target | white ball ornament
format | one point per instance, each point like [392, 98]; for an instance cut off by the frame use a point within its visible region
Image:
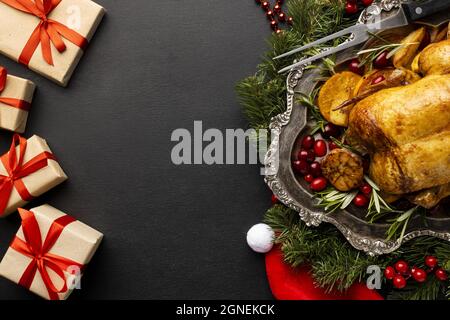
[260, 238]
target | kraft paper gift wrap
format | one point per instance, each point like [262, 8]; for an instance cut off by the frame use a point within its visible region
[77, 242]
[38, 182]
[16, 27]
[11, 118]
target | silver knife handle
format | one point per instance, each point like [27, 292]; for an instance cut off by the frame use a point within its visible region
[419, 9]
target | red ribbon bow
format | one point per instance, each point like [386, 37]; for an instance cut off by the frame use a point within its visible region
[33, 248]
[48, 31]
[17, 170]
[16, 103]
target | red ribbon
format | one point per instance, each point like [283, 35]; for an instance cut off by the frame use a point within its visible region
[47, 31]
[17, 170]
[33, 248]
[16, 103]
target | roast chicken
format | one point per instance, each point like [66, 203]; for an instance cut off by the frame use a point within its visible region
[406, 131]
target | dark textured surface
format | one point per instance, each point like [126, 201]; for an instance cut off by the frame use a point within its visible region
[170, 232]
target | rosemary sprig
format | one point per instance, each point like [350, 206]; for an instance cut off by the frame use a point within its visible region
[378, 207]
[314, 111]
[342, 145]
[400, 223]
[369, 55]
[331, 199]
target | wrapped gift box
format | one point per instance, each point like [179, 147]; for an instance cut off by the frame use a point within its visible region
[62, 244]
[16, 95]
[34, 173]
[70, 26]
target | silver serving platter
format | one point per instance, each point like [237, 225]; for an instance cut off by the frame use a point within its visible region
[289, 126]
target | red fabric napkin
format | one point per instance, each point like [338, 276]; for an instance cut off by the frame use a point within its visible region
[289, 283]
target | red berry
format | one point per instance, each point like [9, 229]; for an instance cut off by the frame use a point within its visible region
[309, 178]
[308, 142]
[351, 8]
[269, 14]
[441, 274]
[401, 266]
[277, 8]
[377, 80]
[366, 189]
[302, 155]
[320, 148]
[360, 200]
[381, 61]
[332, 145]
[331, 130]
[315, 169]
[278, 31]
[301, 167]
[419, 275]
[319, 184]
[265, 5]
[431, 261]
[290, 21]
[274, 199]
[281, 17]
[354, 67]
[389, 273]
[274, 25]
[399, 282]
[306, 155]
[366, 3]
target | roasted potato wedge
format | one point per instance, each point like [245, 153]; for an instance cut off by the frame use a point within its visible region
[343, 169]
[335, 91]
[405, 55]
[415, 64]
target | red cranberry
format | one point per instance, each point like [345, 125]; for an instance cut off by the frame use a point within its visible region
[366, 3]
[361, 200]
[377, 80]
[301, 167]
[389, 272]
[441, 274]
[399, 282]
[354, 67]
[401, 266]
[332, 145]
[331, 130]
[319, 184]
[274, 199]
[431, 261]
[320, 148]
[381, 61]
[315, 169]
[308, 142]
[419, 275]
[351, 8]
[366, 189]
[309, 178]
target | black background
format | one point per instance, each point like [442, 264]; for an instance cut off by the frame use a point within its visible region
[170, 231]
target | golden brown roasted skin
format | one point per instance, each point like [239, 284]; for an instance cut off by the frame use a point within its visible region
[435, 58]
[406, 130]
